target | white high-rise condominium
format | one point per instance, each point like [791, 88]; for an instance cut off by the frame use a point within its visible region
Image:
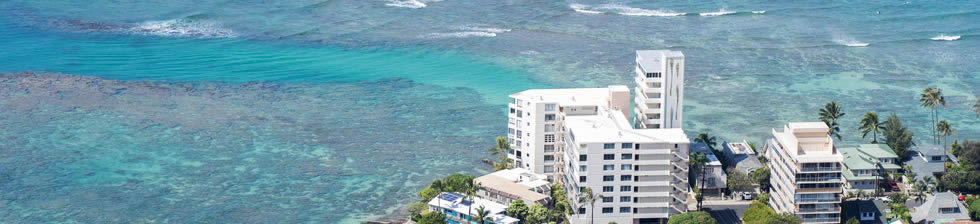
[535, 114]
[637, 175]
[660, 89]
[805, 172]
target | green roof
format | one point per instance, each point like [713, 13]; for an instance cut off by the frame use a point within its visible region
[850, 177]
[879, 151]
[855, 159]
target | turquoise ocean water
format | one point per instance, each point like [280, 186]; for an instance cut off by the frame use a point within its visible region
[338, 111]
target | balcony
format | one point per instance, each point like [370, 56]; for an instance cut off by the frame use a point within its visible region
[818, 179]
[818, 210]
[820, 169]
[818, 200]
[819, 190]
[833, 220]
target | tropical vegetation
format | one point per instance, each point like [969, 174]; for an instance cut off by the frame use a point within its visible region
[738, 181]
[759, 212]
[945, 129]
[829, 115]
[692, 218]
[698, 161]
[870, 124]
[761, 177]
[898, 209]
[933, 98]
[898, 136]
[965, 177]
[501, 150]
[452, 183]
[587, 197]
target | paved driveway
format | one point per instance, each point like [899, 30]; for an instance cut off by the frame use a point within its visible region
[727, 214]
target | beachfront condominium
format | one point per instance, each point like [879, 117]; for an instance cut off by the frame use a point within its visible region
[535, 115]
[660, 89]
[637, 175]
[805, 172]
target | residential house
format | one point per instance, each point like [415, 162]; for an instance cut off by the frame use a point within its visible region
[940, 208]
[715, 179]
[458, 209]
[865, 211]
[741, 156]
[864, 164]
[506, 186]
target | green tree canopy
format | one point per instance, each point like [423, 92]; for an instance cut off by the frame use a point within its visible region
[692, 218]
[738, 181]
[536, 214]
[758, 213]
[761, 177]
[853, 220]
[898, 136]
[517, 209]
[432, 218]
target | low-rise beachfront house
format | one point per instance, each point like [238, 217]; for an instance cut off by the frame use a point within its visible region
[940, 208]
[457, 210]
[715, 179]
[506, 186]
[863, 165]
[928, 160]
[741, 155]
[865, 211]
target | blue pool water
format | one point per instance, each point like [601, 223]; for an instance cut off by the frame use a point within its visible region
[338, 111]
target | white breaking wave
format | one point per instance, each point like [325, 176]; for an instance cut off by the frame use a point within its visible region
[944, 37]
[468, 31]
[415, 4]
[583, 9]
[718, 13]
[759, 12]
[851, 43]
[630, 11]
[182, 28]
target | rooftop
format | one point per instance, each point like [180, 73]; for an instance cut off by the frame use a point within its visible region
[454, 201]
[568, 96]
[740, 154]
[923, 168]
[856, 207]
[930, 210]
[863, 157]
[930, 149]
[607, 126]
[702, 147]
[650, 60]
[516, 183]
[807, 142]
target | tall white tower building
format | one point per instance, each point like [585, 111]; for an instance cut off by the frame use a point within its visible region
[660, 89]
[805, 172]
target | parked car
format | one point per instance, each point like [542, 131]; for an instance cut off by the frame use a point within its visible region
[962, 197]
[893, 185]
[746, 196]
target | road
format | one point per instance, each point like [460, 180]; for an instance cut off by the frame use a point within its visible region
[729, 213]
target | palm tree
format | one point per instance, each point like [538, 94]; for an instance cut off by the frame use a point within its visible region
[976, 106]
[932, 98]
[945, 129]
[698, 161]
[829, 114]
[586, 196]
[503, 147]
[481, 215]
[871, 124]
[470, 192]
[711, 141]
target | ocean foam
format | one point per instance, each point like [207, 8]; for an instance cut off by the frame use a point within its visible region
[759, 12]
[720, 12]
[944, 37]
[182, 28]
[630, 11]
[485, 29]
[583, 9]
[414, 4]
[464, 34]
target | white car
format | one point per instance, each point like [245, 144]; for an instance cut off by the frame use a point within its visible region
[746, 196]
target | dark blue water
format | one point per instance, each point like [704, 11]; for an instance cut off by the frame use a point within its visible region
[338, 111]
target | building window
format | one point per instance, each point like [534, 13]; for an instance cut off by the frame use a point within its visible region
[937, 158]
[607, 199]
[607, 189]
[653, 75]
[949, 210]
[549, 148]
[549, 169]
[626, 156]
[609, 146]
[627, 145]
[582, 168]
[549, 117]
[609, 157]
[549, 138]
[581, 210]
[608, 167]
[510, 131]
[624, 199]
[549, 127]
[520, 114]
[607, 210]
[549, 158]
[519, 134]
[624, 209]
[583, 158]
[581, 179]
[626, 167]
[625, 188]
[549, 107]
[625, 177]
[608, 178]
[512, 110]
[636, 146]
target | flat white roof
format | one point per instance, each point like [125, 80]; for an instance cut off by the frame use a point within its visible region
[650, 60]
[702, 147]
[457, 204]
[808, 142]
[567, 97]
[612, 126]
